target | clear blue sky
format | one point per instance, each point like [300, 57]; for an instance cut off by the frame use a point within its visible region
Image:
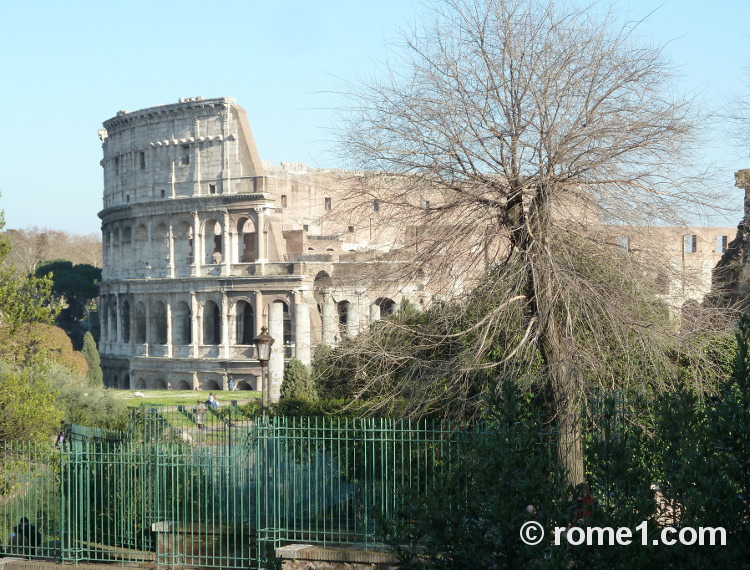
[68, 66]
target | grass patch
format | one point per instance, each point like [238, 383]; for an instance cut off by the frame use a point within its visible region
[183, 397]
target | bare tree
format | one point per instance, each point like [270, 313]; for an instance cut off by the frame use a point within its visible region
[32, 246]
[516, 135]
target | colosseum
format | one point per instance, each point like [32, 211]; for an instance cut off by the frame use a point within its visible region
[204, 244]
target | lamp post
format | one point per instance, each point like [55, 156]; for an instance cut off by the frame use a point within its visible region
[263, 344]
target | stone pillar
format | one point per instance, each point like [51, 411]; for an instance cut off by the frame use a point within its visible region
[276, 364]
[195, 329]
[197, 245]
[148, 254]
[302, 328]
[170, 252]
[170, 327]
[260, 236]
[226, 237]
[330, 321]
[104, 320]
[374, 313]
[258, 312]
[118, 313]
[224, 312]
[352, 318]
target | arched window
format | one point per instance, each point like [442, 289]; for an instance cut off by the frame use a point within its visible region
[160, 246]
[387, 306]
[159, 323]
[183, 245]
[140, 323]
[245, 323]
[183, 333]
[125, 321]
[213, 243]
[113, 319]
[211, 323]
[343, 310]
[246, 240]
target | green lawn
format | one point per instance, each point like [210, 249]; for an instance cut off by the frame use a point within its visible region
[183, 397]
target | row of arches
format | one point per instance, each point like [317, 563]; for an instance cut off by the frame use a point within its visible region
[160, 383]
[183, 242]
[147, 322]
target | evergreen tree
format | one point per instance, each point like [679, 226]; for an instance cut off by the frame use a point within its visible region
[94, 375]
[297, 382]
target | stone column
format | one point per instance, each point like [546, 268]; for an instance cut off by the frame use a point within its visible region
[170, 247]
[302, 328]
[258, 312]
[104, 319]
[224, 312]
[352, 318]
[329, 317]
[118, 313]
[276, 364]
[149, 253]
[195, 329]
[374, 313]
[197, 245]
[226, 238]
[170, 326]
[260, 237]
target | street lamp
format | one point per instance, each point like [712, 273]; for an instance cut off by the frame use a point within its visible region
[263, 344]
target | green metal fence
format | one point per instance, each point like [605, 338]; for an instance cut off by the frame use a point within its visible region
[166, 493]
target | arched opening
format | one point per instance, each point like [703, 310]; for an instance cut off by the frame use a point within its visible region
[127, 246]
[184, 385]
[140, 323]
[158, 384]
[387, 306]
[211, 385]
[160, 253]
[211, 323]
[113, 319]
[246, 240]
[125, 382]
[159, 323]
[183, 244]
[116, 247]
[343, 310]
[213, 242]
[140, 384]
[182, 324]
[321, 285]
[245, 323]
[141, 244]
[244, 385]
[125, 321]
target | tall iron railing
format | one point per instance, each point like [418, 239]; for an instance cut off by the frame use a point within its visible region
[168, 493]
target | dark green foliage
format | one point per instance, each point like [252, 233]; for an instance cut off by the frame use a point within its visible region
[297, 383]
[94, 374]
[471, 516]
[77, 285]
